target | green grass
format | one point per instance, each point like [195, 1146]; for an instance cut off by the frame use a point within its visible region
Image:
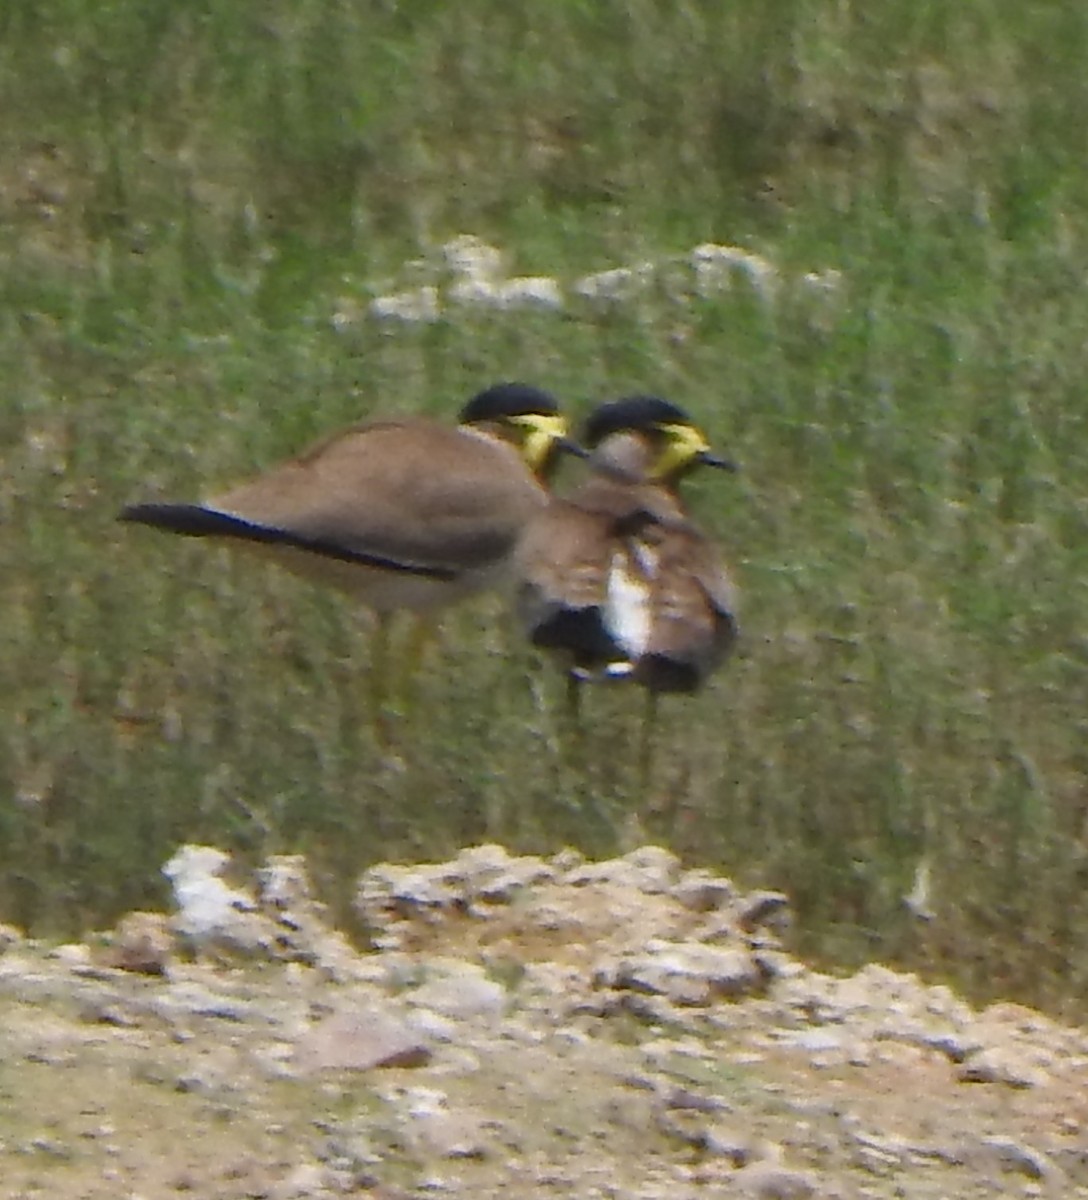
[188, 196]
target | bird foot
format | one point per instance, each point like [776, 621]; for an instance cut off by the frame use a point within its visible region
[621, 669]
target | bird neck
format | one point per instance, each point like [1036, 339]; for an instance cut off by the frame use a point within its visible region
[626, 457]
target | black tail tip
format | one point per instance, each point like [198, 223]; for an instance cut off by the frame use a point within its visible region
[190, 519]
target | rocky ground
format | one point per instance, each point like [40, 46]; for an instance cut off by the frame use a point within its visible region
[523, 1027]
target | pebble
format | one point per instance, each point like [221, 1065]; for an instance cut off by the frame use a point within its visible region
[1017, 1157]
[360, 1039]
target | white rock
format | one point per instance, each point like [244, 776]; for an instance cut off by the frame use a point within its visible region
[1005, 1065]
[617, 285]
[536, 292]
[472, 258]
[300, 921]
[702, 891]
[208, 909]
[687, 973]
[1014, 1156]
[418, 305]
[474, 292]
[657, 867]
[425, 1101]
[648, 869]
[715, 267]
[491, 874]
[284, 883]
[72, 954]
[762, 908]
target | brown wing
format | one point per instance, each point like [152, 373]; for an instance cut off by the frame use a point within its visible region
[564, 563]
[560, 564]
[692, 605]
[414, 493]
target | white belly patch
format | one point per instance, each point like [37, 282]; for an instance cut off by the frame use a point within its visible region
[628, 608]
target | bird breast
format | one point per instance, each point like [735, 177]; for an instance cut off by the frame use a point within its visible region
[629, 596]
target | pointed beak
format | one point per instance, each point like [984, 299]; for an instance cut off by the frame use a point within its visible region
[569, 446]
[712, 460]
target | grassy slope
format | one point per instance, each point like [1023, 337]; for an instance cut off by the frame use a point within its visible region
[186, 199]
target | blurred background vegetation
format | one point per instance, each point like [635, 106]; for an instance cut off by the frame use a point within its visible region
[193, 196]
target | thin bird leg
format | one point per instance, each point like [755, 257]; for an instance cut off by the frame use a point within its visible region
[571, 731]
[647, 742]
[574, 702]
[378, 680]
[574, 732]
[421, 635]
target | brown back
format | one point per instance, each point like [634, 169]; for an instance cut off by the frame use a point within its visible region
[410, 491]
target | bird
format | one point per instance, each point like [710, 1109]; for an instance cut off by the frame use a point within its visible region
[403, 514]
[616, 579]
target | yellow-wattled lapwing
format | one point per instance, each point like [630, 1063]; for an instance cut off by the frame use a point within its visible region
[615, 578]
[403, 513]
